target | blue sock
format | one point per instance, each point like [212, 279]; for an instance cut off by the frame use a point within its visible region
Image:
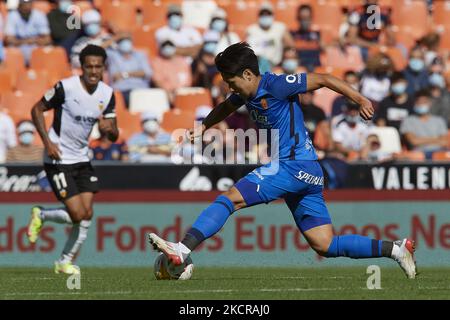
[354, 246]
[210, 221]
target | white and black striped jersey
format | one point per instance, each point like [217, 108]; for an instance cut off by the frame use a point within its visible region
[75, 113]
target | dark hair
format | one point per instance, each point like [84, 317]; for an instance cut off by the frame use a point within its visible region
[397, 76]
[92, 50]
[304, 7]
[236, 58]
[422, 93]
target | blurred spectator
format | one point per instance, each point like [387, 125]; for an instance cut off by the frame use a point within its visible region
[268, 37]
[171, 71]
[349, 132]
[7, 135]
[440, 96]
[105, 150]
[187, 40]
[58, 19]
[397, 106]
[372, 150]
[219, 23]
[27, 28]
[375, 82]
[430, 46]
[307, 41]
[25, 151]
[290, 63]
[364, 32]
[152, 144]
[93, 34]
[128, 69]
[352, 79]
[204, 68]
[422, 130]
[316, 122]
[416, 72]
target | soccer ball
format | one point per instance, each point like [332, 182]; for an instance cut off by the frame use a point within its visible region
[165, 270]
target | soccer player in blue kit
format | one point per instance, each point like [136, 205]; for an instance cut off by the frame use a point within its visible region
[297, 178]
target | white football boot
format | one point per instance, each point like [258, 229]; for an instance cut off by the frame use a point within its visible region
[170, 249]
[403, 253]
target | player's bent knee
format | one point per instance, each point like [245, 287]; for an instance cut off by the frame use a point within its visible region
[89, 214]
[235, 198]
[321, 247]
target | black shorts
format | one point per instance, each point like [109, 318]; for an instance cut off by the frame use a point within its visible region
[68, 180]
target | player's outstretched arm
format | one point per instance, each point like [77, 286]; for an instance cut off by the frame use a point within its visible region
[317, 80]
[37, 114]
[219, 113]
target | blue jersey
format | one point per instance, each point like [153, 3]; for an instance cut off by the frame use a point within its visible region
[276, 105]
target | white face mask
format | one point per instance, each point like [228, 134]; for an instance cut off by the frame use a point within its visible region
[265, 21]
[151, 126]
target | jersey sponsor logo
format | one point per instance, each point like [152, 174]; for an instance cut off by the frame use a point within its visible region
[90, 120]
[63, 193]
[256, 117]
[309, 178]
[291, 78]
[264, 103]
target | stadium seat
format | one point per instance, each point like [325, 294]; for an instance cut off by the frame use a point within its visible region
[405, 36]
[335, 58]
[35, 80]
[177, 119]
[120, 15]
[154, 14]
[50, 58]
[389, 139]
[18, 104]
[441, 13]
[324, 98]
[14, 60]
[412, 156]
[445, 38]
[441, 156]
[286, 12]
[412, 15]
[6, 81]
[127, 122]
[242, 12]
[144, 37]
[154, 100]
[191, 98]
[327, 15]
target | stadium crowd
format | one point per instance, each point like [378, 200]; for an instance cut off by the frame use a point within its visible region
[161, 65]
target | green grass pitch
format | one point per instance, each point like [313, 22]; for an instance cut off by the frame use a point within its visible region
[225, 283]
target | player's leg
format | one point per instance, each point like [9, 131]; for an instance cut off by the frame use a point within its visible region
[312, 218]
[208, 223]
[249, 191]
[64, 188]
[82, 203]
[81, 209]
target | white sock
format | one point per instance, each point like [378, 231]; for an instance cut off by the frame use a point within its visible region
[59, 215]
[75, 240]
[395, 251]
[185, 251]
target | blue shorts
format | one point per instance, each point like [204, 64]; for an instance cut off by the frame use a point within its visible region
[299, 183]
